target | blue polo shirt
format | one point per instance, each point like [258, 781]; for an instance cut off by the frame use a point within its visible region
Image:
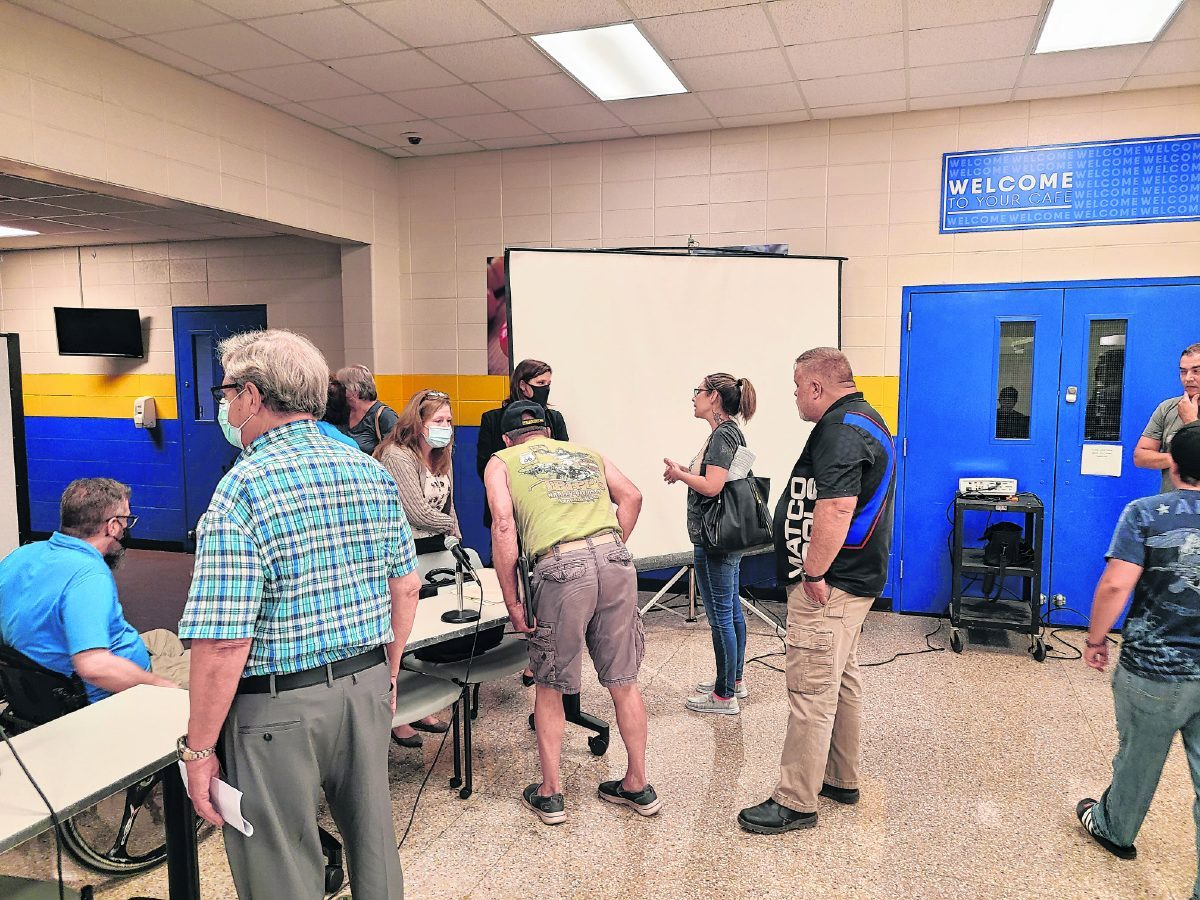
[58, 598]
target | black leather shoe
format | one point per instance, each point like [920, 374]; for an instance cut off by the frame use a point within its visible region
[435, 728]
[412, 742]
[771, 818]
[526, 680]
[848, 796]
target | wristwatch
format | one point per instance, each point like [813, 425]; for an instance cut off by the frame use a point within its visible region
[811, 578]
[187, 754]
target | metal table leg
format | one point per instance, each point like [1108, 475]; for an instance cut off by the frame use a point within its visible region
[183, 867]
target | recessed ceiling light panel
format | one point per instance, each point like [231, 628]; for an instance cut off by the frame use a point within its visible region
[1081, 24]
[5, 231]
[615, 62]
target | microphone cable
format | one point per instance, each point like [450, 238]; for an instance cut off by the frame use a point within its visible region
[53, 815]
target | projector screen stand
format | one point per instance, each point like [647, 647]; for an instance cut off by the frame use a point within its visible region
[655, 601]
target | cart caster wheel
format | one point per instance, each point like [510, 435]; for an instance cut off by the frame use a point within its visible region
[956, 641]
[598, 745]
[532, 727]
[455, 782]
[1039, 650]
[334, 878]
[465, 793]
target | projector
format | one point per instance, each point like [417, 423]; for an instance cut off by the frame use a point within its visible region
[987, 487]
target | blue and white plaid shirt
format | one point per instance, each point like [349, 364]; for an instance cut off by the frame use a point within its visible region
[295, 551]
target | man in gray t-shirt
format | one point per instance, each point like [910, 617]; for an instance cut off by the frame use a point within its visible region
[1153, 450]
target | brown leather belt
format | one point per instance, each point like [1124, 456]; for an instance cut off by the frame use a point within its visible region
[261, 684]
[601, 537]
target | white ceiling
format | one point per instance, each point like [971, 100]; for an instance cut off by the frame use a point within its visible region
[464, 75]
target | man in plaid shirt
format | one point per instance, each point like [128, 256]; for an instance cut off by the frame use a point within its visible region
[303, 596]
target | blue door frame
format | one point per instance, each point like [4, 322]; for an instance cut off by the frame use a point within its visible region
[1069, 349]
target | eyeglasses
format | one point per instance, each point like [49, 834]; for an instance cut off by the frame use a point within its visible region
[442, 394]
[219, 390]
[127, 521]
[696, 392]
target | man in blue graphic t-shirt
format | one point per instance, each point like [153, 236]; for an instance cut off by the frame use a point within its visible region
[1155, 554]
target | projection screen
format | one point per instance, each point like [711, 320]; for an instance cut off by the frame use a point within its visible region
[628, 334]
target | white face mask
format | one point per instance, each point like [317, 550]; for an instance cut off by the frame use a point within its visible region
[438, 436]
[233, 433]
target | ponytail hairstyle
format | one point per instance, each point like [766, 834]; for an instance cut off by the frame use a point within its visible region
[737, 394]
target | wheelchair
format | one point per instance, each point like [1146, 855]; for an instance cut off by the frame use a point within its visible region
[123, 834]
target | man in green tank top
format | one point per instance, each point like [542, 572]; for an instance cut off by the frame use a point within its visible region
[557, 497]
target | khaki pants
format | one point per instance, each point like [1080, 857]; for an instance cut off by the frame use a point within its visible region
[168, 659]
[824, 696]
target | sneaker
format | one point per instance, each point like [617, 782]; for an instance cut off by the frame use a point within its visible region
[549, 809]
[1085, 812]
[739, 689]
[644, 802]
[848, 796]
[711, 703]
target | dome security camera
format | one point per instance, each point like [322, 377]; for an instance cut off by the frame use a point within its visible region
[414, 139]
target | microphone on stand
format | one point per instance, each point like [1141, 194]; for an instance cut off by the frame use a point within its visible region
[460, 616]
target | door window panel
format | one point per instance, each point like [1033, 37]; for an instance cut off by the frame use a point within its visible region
[1014, 383]
[202, 376]
[1106, 380]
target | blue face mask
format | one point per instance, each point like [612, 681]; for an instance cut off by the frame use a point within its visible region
[232, 433]
[438, 436]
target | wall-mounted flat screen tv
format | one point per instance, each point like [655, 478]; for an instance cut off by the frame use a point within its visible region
[86, 331]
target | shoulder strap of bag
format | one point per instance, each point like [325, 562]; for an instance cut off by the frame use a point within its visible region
[378, 413]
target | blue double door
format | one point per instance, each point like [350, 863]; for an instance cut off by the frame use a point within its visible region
[1050, 385]
[207, 455]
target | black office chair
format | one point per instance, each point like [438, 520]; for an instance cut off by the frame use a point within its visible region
[37, 695]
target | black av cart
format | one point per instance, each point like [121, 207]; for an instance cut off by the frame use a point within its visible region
[1012, 602]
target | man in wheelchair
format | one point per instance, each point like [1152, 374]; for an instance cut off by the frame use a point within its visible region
[59, 605]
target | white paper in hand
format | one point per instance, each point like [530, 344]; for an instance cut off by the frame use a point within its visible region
[226, 799]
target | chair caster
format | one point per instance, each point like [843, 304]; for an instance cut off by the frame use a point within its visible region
[465, 793]
[532, 727]
[334, 878]
[455, 782]
[956, 640]
[598, 745]
[1038, 650]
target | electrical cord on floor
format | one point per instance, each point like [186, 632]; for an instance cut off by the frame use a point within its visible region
[1055, 634]
[466, 702]
[928, 648]
[53, 815]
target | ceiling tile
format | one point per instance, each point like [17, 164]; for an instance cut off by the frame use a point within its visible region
[1040, 91]
[492, 125]
[149, 47]
[140, 17]
[511, 143]
[850, 56]
[936, 13]
[540, 17]
[453, 100]
[1171, 56]
[1149, 82]
[1082, 65]
[695, 125]
[359, 136]
[731, 70]
[803, 21]
[74, 17]
[99, 203]
[872, 88]
[255, 9]
[245, 88]
[602, 134]
[854, 110]
[647, 110]
[367, 109]
[779, 118]
[966, 43]
[403, 71]
[307, 81]
[398, 132]
[711, 32]
[747, 101]
[21, 188]
[454, 21]
[230, 47]
[1186, 23]
[329, 34]
[440, 149]
[962, 78]
[484, 60]
[27, 208]
[585, 117]
[539, 92]
[308, 115]
[396, 152]
[648, 8]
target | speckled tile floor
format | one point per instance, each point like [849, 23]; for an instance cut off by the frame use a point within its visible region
[972, 766]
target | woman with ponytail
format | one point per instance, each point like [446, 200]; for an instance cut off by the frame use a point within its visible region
[720, 400]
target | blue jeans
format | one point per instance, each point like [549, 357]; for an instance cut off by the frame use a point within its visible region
[1148, 715]
[717, 576]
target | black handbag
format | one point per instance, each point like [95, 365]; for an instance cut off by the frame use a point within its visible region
[738, 519]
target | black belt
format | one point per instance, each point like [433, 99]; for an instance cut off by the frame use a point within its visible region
[261, 684]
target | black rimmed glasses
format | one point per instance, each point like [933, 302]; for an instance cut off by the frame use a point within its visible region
[218, 391]
[696, 392]
[127, 521]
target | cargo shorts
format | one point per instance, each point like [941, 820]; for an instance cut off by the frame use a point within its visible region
[586, 596]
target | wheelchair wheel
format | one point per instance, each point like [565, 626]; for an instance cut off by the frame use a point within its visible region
[123, 834]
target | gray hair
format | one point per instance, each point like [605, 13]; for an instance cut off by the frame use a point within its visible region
[358, 382]
[287, 368]
[829, 363]
[1191, 350]
[88, 503]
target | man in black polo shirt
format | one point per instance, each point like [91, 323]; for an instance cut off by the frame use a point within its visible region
[833, 531]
